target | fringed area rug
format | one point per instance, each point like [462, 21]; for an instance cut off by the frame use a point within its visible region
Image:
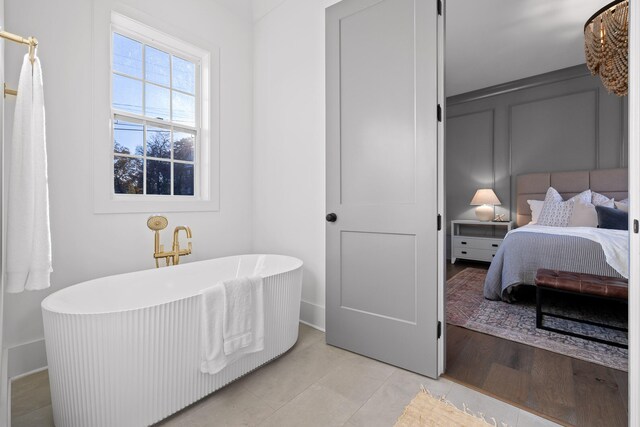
[466, 307]
[427, 410]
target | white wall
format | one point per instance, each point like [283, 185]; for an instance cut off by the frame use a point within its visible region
[88, 245]
[272, 189]
[289, 139]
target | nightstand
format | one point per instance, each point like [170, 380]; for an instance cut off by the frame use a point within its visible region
[479, 245]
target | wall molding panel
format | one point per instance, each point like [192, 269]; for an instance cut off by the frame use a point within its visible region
[564, 74]
[563, 120]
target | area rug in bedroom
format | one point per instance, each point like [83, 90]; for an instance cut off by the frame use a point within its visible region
[466, 307]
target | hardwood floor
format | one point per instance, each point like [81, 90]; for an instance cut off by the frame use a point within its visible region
[564, 389]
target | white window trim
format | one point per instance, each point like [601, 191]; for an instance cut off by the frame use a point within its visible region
[207, 185]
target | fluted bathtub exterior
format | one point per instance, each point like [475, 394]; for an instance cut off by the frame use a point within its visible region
[136, 366]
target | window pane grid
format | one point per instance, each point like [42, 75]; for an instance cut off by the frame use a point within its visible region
[152, 120]
[140, 79]
[144, 153]
[144, 104]
[133, 156]
[145, 158]
[191, 98]
[171, 112]
[171, 142]
[182, 126]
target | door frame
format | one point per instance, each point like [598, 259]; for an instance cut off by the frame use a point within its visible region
[442, 196]
[634, 214]
[634, 208]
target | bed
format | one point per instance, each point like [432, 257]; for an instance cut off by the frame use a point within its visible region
[576, 249]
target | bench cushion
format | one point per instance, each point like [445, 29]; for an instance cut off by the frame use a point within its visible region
[581, 283]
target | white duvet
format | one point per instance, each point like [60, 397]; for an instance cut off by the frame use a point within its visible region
[614, 243]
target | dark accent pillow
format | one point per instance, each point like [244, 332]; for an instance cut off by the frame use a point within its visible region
[612, 218]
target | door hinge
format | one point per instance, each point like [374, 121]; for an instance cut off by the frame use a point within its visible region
[636, 226]
[439, 7]
[439, 329]
[439, 113]
[439, 222]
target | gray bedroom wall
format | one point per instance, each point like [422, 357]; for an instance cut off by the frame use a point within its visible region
[563, 120]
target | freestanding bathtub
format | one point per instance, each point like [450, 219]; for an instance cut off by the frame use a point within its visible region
[125, 350]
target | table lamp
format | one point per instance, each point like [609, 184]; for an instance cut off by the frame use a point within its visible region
[485, 199]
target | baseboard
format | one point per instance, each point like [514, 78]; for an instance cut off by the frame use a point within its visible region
[312, 326]
[26, 374]
[26, 358]
[5, 391]
[312, 314]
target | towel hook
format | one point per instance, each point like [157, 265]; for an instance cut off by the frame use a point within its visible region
[33, 46]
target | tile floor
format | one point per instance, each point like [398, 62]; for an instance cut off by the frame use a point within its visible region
[312, 385]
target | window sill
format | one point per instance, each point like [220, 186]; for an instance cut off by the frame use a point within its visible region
[120, 205]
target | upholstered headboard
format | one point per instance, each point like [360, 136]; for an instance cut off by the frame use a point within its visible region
[610, 182]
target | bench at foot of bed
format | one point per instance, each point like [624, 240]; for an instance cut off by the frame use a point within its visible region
[550, 282]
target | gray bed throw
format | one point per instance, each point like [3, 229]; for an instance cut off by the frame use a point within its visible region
[521, 254]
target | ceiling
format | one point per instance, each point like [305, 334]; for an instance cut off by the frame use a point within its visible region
[242, 8]
[251, 10]
[489, 42]
[263, 7]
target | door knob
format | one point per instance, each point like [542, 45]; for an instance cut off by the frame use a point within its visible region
[332, 217]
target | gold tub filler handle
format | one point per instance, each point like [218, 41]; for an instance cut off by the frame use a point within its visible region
[158, 223]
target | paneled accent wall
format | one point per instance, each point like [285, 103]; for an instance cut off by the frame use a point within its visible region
[564, 120]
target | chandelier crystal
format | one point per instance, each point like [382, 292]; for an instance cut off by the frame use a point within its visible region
[606, 46]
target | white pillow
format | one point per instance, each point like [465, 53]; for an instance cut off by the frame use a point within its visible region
[555, 212]
[536, 207]
[585, 196]
[623, 205]
[584, 215]
[598, 199]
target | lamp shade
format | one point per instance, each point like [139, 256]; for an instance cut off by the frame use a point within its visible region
[485, 196]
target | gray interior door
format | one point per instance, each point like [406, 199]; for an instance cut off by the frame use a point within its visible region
[382, 181]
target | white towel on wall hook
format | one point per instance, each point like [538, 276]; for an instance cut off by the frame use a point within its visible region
[28, 232]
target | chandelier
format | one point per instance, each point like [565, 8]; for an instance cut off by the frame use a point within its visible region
[606, 46]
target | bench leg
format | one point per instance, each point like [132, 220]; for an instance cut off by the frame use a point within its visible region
[539, 319]
[538, 307]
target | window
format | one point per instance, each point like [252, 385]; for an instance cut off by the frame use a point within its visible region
[156, 116]
[155, 105]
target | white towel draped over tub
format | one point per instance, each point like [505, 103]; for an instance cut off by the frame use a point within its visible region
[28, 233]
[232, 322]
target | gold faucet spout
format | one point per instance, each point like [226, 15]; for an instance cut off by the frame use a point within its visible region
[177, 253]
[179, 228]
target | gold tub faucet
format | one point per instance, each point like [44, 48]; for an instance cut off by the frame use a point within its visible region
[177, 252]
[157, 223]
